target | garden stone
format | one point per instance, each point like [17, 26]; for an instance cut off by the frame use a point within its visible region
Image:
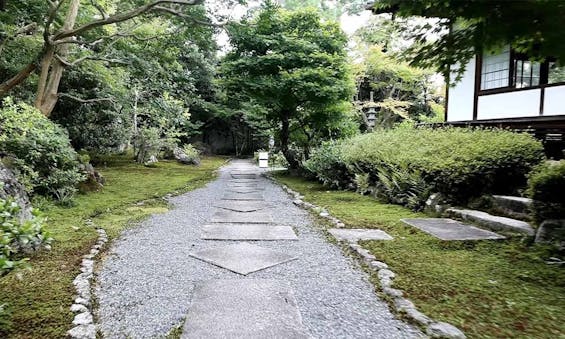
[298, 202]
[417, 316]
[551, 232]
[444, 330]
[324, 214]
[239, 217]
[386, 274]
[403, 304]
[493, 222]
[392, 292]
[78, 308]
[378, 265]
[247, 232]
[84, 318]
[241, 206]
[242, 258]
[354, 235]
[244, 309]
[449, 230]
[12, 188]
[181, 157]
[82, 301]
[243, 197]
[152, 160]
[83, 332]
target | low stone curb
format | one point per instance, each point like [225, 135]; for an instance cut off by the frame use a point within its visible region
[434, 329]
[84, 327]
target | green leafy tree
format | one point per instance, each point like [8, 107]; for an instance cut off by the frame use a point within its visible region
[533, 27]
[294, 65]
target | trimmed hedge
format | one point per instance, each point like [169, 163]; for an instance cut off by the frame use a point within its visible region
[406, 164]
[546, 187]
[327, 165]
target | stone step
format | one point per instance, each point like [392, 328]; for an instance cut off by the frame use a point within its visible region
[512, 205]
[492, 222]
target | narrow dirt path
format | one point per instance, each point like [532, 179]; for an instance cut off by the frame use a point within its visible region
[169, 269]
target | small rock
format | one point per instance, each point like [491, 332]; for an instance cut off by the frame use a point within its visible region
[354, 246]
[82, 301]
[366, 255]
[84, 318]
[386, 274]
[324, 214]
[340, 225]
[94, 251]
[78, 308]
[378, 265]
[444, 330]
[83, 332]
[298, 202]
[417, 316]
[402, 304]
[392, 292]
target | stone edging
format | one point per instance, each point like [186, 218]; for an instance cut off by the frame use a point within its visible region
[84, 327]
[434, 329]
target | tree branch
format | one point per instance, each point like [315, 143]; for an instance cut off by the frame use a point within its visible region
[85, 101]
[6, 86]
[116, 18]
[90, 57]
[99, 8]
[181, 15]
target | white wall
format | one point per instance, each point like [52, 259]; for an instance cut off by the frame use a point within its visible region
[554, 103]
[460, 101]
[517, 104]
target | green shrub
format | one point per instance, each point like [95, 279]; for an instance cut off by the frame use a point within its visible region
[327, 165]
[43, 157]
[405, 164]
[18, 238]
[546, 186]
[192, 152]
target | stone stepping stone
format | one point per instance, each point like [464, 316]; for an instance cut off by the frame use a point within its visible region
[247, 232]
[448, 229]
[240, 196]
[244, 176]
[354, 235]
[244, 190]
[244, 308]
[241, 205]
[243, 185]
[239, 217]
[244, 181]
[242, 258]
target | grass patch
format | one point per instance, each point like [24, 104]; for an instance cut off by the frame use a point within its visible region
[38, 300]
[489, 289]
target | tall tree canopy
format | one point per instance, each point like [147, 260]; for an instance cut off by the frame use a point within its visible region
[533, 27]
[46, 37]
[294, 64]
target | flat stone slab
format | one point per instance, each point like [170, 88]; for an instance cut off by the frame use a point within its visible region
[243, 181]
[244, 190]
[241, 205]
[448, 229]
[244, 185]
[244, 308]
[242, 258]
[354, 235]
[241, 217]
[247, 232]
[493, 222]
[242, 196]
[244, 176]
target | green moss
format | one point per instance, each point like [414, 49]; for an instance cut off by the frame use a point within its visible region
[39, 299]
[488, 289]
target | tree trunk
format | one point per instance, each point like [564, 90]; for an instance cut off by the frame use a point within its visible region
[285, 135]
[52, 69]
[17, 79]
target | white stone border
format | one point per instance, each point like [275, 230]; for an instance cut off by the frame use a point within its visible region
[434, 329]
[84, 327]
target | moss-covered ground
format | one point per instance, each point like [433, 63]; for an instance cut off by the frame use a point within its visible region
[37, 301]
[489, 289]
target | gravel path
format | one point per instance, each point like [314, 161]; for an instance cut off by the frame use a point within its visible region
[145, 285]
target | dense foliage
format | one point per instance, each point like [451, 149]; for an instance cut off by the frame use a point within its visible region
[546, 186]
[294, 65]
[327, 164]
[530, 26]
[18, 237]
[405, 165]
[40, 151]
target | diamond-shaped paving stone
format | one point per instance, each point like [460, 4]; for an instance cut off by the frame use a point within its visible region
[242, 258]
[241, 196]
[243, 181]
[239, 217]
[448, 229]
[241, 205]
[354, 235]
[244, 308]
[247, 232]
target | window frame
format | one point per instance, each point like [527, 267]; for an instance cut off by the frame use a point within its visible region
[511, 87]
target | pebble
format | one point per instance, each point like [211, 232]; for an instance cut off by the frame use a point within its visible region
[444, 330]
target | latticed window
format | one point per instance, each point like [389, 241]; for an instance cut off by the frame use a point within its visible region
[495, 70]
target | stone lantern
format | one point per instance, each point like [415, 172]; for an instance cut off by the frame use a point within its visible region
[370, 111]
